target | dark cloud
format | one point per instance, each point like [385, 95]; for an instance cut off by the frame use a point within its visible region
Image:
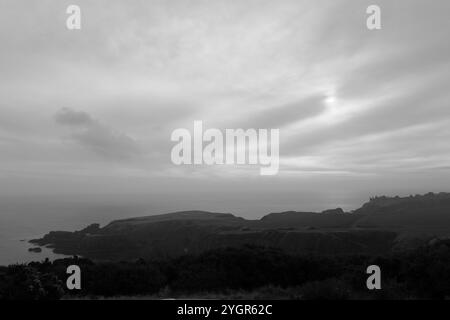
[96, 136]
[70, 117]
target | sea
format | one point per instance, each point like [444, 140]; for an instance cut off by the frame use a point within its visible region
[23, 219]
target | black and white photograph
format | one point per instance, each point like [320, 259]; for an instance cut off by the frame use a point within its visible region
[233, 152]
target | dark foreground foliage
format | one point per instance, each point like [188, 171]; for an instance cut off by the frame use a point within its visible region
[420, 274]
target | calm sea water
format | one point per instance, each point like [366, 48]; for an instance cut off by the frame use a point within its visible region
[25, 219]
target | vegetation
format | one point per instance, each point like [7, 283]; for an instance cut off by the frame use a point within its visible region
[246, 272]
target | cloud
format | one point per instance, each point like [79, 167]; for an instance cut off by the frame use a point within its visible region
[279, 116]
[70, 117]
[99, 138]
[346, 99]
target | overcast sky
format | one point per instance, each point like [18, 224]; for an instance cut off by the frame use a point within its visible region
[91, 111]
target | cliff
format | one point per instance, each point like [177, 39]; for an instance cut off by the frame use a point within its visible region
[379, 226]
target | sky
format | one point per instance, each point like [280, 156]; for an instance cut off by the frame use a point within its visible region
[360, 112]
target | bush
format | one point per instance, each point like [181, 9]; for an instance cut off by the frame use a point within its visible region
[21, 282]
